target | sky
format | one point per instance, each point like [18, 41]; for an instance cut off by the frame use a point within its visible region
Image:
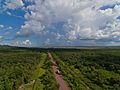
[39, 23]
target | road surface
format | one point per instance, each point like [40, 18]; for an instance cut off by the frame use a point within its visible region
[59, 78]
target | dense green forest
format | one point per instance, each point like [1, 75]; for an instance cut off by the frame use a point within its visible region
[83, 69]
[97, 69]
[24, 69]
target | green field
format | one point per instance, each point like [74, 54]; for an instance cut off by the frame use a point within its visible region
[82, 69]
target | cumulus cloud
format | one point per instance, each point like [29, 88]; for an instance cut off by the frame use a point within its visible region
[1, 37]
[82, 19]
[22, 43]
[27, 43]
[13, 4]
[1, 26]
[71, 19]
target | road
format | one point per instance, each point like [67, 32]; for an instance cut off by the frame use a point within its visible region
[59, 78]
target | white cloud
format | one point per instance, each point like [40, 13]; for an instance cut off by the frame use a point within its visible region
[108, 11]
[82, 19]
[22, 43]
[9, 13]
[1, 26]
[27, 43]
[47, 42]
[85, 17]
[10, 27]
[13, 4]
[1, 37]
[17, 43]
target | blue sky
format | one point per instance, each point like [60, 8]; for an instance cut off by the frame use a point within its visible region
[38, 23]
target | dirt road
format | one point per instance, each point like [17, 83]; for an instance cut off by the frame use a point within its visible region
[59, 78]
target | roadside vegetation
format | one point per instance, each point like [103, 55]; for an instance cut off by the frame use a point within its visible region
[24, 69]
[46, 80]
[90, 69]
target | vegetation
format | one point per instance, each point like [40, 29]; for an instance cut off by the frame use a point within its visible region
[46, 80]
[85, 69]
[25, 69]
[16, 68]
[90, 69]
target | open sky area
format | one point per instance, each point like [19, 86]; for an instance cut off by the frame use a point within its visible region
[36, 23]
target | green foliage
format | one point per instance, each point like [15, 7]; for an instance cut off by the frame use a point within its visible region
[90, 69]
[46, 81]
[16, 68]
[22, 69]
